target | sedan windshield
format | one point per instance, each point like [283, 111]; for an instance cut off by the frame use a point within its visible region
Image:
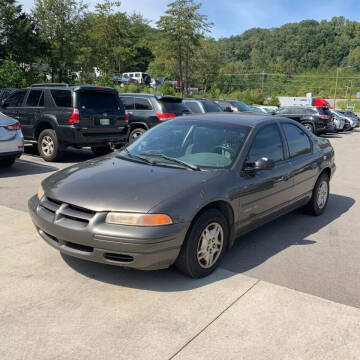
[191, 144]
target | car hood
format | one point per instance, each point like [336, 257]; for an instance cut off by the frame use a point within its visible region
[113, 184]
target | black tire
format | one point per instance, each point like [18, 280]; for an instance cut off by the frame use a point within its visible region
[49, 146]
[187, 261]
[310, 127]
[7, 161]
[313, 207]
[135, 133]
[101, 150]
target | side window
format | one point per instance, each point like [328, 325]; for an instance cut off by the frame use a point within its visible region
[142, 104]
[33, 98]
[299, 143]
[193, 106]
[128, 102]
[16, 99]
[310, 111]
[267, 143]
[41, 101]
[62, 98]
[283, 111]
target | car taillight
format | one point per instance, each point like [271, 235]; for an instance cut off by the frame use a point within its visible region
[324, 116]
[165, 116]
[13, 127]
[74, 117]
[126, 116]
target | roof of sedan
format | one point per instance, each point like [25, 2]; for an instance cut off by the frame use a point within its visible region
[250, 119]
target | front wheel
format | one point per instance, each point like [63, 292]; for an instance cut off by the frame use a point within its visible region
[204, 245]
[320, 196]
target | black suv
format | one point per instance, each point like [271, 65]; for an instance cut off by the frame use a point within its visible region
[61, 116]
[318, 120]
[146, 111]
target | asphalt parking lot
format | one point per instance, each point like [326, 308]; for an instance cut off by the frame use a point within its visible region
[288, 290]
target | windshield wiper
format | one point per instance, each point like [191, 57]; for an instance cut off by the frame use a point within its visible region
[137, 157]
[162, 156]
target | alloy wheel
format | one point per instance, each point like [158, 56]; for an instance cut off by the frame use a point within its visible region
[210, 245]
[47, 145]
[322, 194]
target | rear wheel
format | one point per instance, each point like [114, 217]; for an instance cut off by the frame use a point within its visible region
[204, 245]
[320, 196]
[49, 146]
[309, 126]
[101, 150]
[7, 161]
[135, 134]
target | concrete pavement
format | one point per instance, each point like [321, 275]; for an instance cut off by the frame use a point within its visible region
[57, 307]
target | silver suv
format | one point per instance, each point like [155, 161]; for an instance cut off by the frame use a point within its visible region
[11, 140]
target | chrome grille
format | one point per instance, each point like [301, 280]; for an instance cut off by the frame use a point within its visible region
[62, 210]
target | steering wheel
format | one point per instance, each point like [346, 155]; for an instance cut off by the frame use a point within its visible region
[223, 149]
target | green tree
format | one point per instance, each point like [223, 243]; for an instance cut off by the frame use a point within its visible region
[59, 23]
[11, 76]
[183, 26]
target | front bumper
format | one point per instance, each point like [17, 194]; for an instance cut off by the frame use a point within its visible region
[146, 248]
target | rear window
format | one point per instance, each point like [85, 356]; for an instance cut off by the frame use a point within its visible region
[142, 104]
[98, 101]
[62, 98]
[324, 111]
[174, 107]
[211, 107]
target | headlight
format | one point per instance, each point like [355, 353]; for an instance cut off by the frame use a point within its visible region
[119, 218]
[40, 193]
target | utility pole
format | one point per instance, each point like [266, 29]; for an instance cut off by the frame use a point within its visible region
[350, 90]
[262, 81]
[336, 81]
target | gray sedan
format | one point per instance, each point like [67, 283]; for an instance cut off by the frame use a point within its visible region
[11, 140]
[184, 191]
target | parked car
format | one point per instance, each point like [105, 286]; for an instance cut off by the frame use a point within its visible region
[267, 109]
[123, 80]
[57, 117]
[200, 106]
[5, 92]
[318, 120]
[140, 77]
[339, 121]
[146, 111]
[352, 118]
[184, 191]
[235, 105]
[11, 141]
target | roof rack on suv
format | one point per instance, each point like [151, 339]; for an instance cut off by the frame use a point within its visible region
[50, 85]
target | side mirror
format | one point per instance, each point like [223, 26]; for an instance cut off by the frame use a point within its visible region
[263, 163]
[228, 109]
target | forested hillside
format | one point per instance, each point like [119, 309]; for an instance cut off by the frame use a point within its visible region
[62, 38]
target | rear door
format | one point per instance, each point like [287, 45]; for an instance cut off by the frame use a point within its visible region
[100, 110]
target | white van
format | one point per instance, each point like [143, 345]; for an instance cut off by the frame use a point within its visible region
[140, 77]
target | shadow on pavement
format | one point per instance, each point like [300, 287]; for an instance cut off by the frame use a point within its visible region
[249, 251]
[25, 167]
[331, 136]
[71, 155]
[293, 229]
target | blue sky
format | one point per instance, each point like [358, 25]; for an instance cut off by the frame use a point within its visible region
[232, 17]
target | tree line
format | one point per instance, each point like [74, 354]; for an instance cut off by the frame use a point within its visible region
[66, 41]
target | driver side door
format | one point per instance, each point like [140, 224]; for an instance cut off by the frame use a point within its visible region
[265, 191]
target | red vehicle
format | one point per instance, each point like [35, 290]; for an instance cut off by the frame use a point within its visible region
[320, 102]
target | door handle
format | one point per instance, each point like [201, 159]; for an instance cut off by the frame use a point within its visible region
[282, 178]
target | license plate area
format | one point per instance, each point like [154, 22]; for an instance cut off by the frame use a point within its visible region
[104, 122]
